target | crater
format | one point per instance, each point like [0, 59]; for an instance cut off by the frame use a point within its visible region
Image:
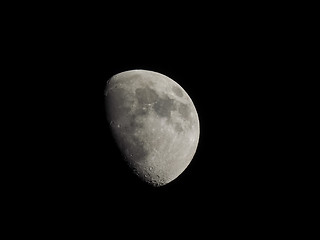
[164, 106]
[177, 91]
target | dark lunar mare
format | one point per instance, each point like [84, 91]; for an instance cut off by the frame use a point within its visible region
[164, 106]
[146, 95]
[184, 110]
[161, 105]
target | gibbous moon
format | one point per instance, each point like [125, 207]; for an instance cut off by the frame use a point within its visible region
[154, 123]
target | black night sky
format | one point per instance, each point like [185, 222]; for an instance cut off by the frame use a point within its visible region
[231, 67]
[235, 167]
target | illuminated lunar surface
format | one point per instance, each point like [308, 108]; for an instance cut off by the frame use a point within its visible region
[154, 123]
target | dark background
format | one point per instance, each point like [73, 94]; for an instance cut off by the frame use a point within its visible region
[232, 82]
[233, 65]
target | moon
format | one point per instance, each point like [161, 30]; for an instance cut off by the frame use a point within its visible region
[153, 122]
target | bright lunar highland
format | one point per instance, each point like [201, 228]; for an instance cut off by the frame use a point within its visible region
[154, 123]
